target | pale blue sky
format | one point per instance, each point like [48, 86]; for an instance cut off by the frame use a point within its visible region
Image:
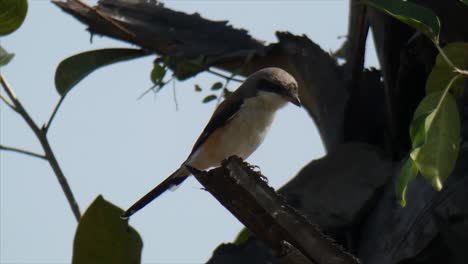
[109, 143]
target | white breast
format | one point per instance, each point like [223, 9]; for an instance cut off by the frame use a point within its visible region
[243, 134]
[252, 123]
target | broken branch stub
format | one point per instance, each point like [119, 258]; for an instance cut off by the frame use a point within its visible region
[243, 192]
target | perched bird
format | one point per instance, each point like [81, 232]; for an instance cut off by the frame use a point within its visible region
[238, 126]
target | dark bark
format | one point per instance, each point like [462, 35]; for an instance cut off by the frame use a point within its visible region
[247, 196]
[363, 123]
[355, 183]
[252, 251]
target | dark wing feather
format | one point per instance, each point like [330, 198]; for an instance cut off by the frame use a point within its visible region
[221, 116]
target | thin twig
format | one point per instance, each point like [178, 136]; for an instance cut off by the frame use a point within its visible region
[146, 91]
[463, 72]
[49, 154]
[449, 62]
[115, 24]
[22, 151]
[19, 107]
[223, 76]
[46, 126]
[175, 95]
[446, 58]
[7, 102]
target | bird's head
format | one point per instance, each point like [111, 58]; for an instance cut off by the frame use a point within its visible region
[275, 81]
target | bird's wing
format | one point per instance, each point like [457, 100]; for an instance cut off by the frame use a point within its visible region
[221, 116]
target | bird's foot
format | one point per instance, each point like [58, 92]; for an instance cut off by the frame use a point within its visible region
[257, 171]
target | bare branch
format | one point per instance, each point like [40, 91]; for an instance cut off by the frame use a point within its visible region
[228, 78]
[463, 72]
[243, 192]
[19, 107]
[7, 102]
[26, 152]
[146, 91]
[46, 126]
[49, 154]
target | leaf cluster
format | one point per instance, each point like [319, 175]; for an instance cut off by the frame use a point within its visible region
[101, 235]
[435, 128]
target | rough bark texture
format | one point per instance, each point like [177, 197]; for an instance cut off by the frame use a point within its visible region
[289, 234]
[363, 123]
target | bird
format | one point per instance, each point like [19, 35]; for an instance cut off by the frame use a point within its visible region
[237, 127]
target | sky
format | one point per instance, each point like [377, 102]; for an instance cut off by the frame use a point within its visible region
[108, 142]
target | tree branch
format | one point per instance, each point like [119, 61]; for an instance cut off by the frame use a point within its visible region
[47, 125]
[26, 152]
[7, 102]
[49, 154]
[113, 23]
[247, 196]
[229, 78]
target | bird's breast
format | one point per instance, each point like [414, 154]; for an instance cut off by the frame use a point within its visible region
[241, 136]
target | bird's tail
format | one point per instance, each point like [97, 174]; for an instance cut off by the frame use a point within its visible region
[174, 179]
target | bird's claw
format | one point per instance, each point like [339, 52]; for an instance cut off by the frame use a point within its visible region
[257, 171]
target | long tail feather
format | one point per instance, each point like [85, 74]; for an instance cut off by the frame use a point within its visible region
[176, 178]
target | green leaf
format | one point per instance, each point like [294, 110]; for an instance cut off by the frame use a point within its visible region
[158, 73]
[75, 68]
[417, 131]
[243, 236]
[414, 15]
[189, 68]
[5, 57]
[209, 98]
[427, 105]
[103, 237]
[226, 93]
[408, 172]
[216, 86]
[442, 73]
[198, 88]
[436, 158]
[12, 15]
[464, 1]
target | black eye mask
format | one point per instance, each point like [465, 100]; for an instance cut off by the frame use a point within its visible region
[267, 86]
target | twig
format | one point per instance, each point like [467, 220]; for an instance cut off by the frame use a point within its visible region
[223, 76]
[174, 94]
[463, 72]
[446, 58]
[46, 126]
[145, 92]
[7, 102]
[49, 154]
[152, 88]
[22, 151]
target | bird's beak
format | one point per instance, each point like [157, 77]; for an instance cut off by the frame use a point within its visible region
[295, 100]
